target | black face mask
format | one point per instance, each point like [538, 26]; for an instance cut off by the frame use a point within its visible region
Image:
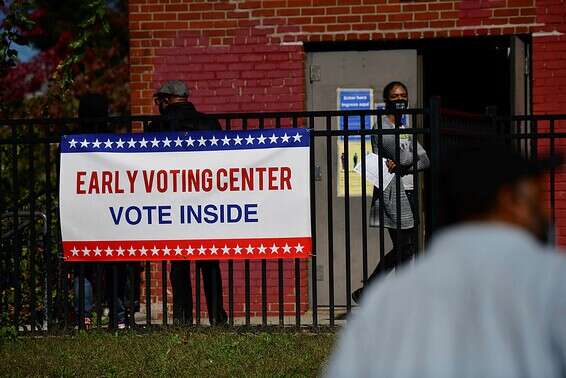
[392, 105]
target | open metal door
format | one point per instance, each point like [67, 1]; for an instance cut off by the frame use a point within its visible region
[329, 74]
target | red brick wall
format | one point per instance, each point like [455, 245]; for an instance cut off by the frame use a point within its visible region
[549, 87]
[247, 55]
[253, 48]
[239, 289]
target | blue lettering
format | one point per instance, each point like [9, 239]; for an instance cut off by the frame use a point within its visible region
[116, 217]
[149, 211]
[192, 214]
[231, 217]
[137, 212]
[209, 210]
[250, 209]
[223, 213]
[165, 215]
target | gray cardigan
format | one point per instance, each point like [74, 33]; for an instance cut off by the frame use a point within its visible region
[390, 193]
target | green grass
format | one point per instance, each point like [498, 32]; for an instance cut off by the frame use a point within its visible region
[173, 352]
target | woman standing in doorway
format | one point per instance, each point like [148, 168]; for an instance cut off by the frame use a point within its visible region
[396, 98]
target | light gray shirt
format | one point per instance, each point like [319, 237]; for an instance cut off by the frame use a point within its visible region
[387, 150]
[487, 301]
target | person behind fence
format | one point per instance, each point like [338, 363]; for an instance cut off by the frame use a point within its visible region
[395, 95]
[179, 115]
[91, 105]
[486, 300]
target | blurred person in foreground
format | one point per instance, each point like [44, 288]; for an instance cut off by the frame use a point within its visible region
[487, 300]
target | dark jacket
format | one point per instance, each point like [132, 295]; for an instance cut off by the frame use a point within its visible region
[184, 117]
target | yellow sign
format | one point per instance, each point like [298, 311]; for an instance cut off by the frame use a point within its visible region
[354, 157]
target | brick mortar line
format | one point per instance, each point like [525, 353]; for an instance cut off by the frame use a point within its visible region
[458, 28]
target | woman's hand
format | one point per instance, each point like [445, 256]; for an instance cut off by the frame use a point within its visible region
[391, 165]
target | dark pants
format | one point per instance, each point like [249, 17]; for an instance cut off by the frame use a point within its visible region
[183, 293]
[121, 280]
[404, 247]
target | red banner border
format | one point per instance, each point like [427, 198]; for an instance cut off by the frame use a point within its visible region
[193, 249]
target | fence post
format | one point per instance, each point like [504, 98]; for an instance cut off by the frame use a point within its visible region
[434, 117]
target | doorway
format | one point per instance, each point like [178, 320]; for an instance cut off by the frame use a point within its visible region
[469, 74]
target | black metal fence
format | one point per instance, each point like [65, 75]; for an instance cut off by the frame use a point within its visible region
[39, 291]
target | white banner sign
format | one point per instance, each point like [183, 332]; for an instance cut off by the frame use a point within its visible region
[186, 195]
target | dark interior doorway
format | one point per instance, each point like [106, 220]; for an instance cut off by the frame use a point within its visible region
[468, 74]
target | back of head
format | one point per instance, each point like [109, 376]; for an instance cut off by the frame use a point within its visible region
[471, 179]
[93, 105]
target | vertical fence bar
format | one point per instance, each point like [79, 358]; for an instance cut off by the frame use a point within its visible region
[65, 293]
[164, 291]
[314, 289]
[4, 257]
[416, 188]
[230, 267]
[281, 298]
[147, 266]
[63, 288]
[364, 202]
[381, 214]
[231, 291]
[552, 184]
[534, 144]
[4, 275]
[16, 228]
[263, 271]
[198, 273]
[98, 295]
[297, 272]
[247, 263]
[398, 186]
[347, 214]
[330, 228]
[132, 294]
[148, 293]
[114, 299]
[47, 239]
[81, 300]
[434, 117]
[32, 249]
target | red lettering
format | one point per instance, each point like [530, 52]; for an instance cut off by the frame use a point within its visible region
[260, 171]
[175, 173]
[106, 182]
[193, 180]
[220, 183]
[162, 181]
[132, 179]
[285, 178]
[80, 182]
[234, 180]
[93, 184]
[148, 181]
[117, 179]
[207, 180]
[272, 178]
[247, 179]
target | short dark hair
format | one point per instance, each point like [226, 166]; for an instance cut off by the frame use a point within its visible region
[93, 105]
[472, 176]
[389, 87]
